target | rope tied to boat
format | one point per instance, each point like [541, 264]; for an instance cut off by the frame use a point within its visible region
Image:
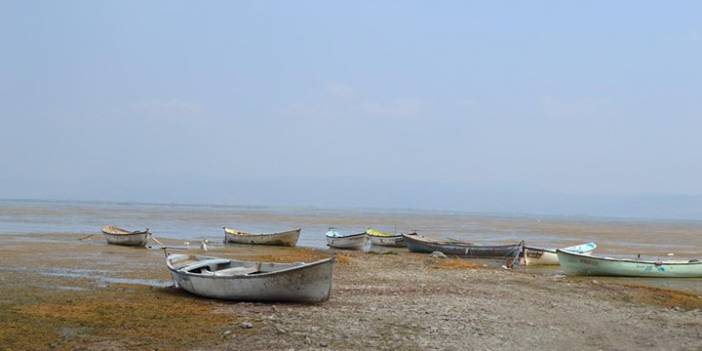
[86, 237]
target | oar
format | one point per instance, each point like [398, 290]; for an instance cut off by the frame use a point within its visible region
[156, 240]
[85, 237]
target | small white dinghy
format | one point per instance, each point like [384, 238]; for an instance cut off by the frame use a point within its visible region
[541, 256]
[228, 279]
[119, 236]
[349, 242]
[287, 238]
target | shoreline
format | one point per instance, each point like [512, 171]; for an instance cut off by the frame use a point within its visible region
[517, 215]
[396, 300]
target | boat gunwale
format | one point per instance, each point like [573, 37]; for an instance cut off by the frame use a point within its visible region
[346, 236]
[331, 260]
[105, 231]
[425, 240]
[255, 235]
[629, 260]
[550, 250]
[386, 236]
[541, 249]
[389, 236]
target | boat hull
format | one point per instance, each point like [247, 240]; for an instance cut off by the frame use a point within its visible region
[118, 236]
[388, 241]
[350, 242]
[310, 283]
[540, 256]
[424, 245]
[579, 264]
[288, 238]
[535, 256]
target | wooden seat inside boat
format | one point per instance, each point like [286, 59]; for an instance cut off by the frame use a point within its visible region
[234, 271]
[210, 265]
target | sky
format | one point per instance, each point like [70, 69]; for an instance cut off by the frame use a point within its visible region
[542, 106]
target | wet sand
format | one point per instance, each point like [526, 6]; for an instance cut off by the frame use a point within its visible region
[61, 293]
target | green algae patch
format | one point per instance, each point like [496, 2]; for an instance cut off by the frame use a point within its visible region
[665, 297]
[454, 263]
[121, 317]
[648, 295]
[275, 254]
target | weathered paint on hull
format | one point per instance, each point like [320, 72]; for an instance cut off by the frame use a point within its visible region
[416, 244]
[578, 264]
[352, 242]
[534, 256]
[390, 241]
[309, 284]
[288, 238]
[140, 239]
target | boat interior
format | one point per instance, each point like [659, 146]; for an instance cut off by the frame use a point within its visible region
[109, 229]
[222, 267]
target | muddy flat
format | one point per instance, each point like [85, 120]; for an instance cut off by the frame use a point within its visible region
[61, 293]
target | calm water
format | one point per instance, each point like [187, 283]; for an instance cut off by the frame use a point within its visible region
[192, 222]
[201, 221]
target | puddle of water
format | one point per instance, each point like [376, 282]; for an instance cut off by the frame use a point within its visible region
[148, 282]
[102, 278]
[69, 288]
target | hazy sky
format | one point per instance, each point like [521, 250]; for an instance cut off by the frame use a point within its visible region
[304, 102]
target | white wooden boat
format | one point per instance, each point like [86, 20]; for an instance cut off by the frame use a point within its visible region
[348, 242]
[287, 238]
[118, 236]
[381, 238]
[578, 264]
[229, 279]
[542, 256]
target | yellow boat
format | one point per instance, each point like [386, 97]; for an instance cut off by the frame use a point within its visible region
[381, 238]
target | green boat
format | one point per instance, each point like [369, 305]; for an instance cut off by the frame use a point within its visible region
[578, 264]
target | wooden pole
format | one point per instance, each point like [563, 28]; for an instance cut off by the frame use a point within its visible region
[156, 240]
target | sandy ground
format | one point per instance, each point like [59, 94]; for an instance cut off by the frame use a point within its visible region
[61, 293]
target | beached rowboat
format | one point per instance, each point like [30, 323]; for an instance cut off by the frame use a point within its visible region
[422, 244]
[541, 256]
[578, 264]
[288, 238]
[381, 238]
[228, 279]
[119, 236]
[349, 242]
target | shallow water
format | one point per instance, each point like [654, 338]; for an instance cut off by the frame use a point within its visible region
[102, 277]
[195, 222]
